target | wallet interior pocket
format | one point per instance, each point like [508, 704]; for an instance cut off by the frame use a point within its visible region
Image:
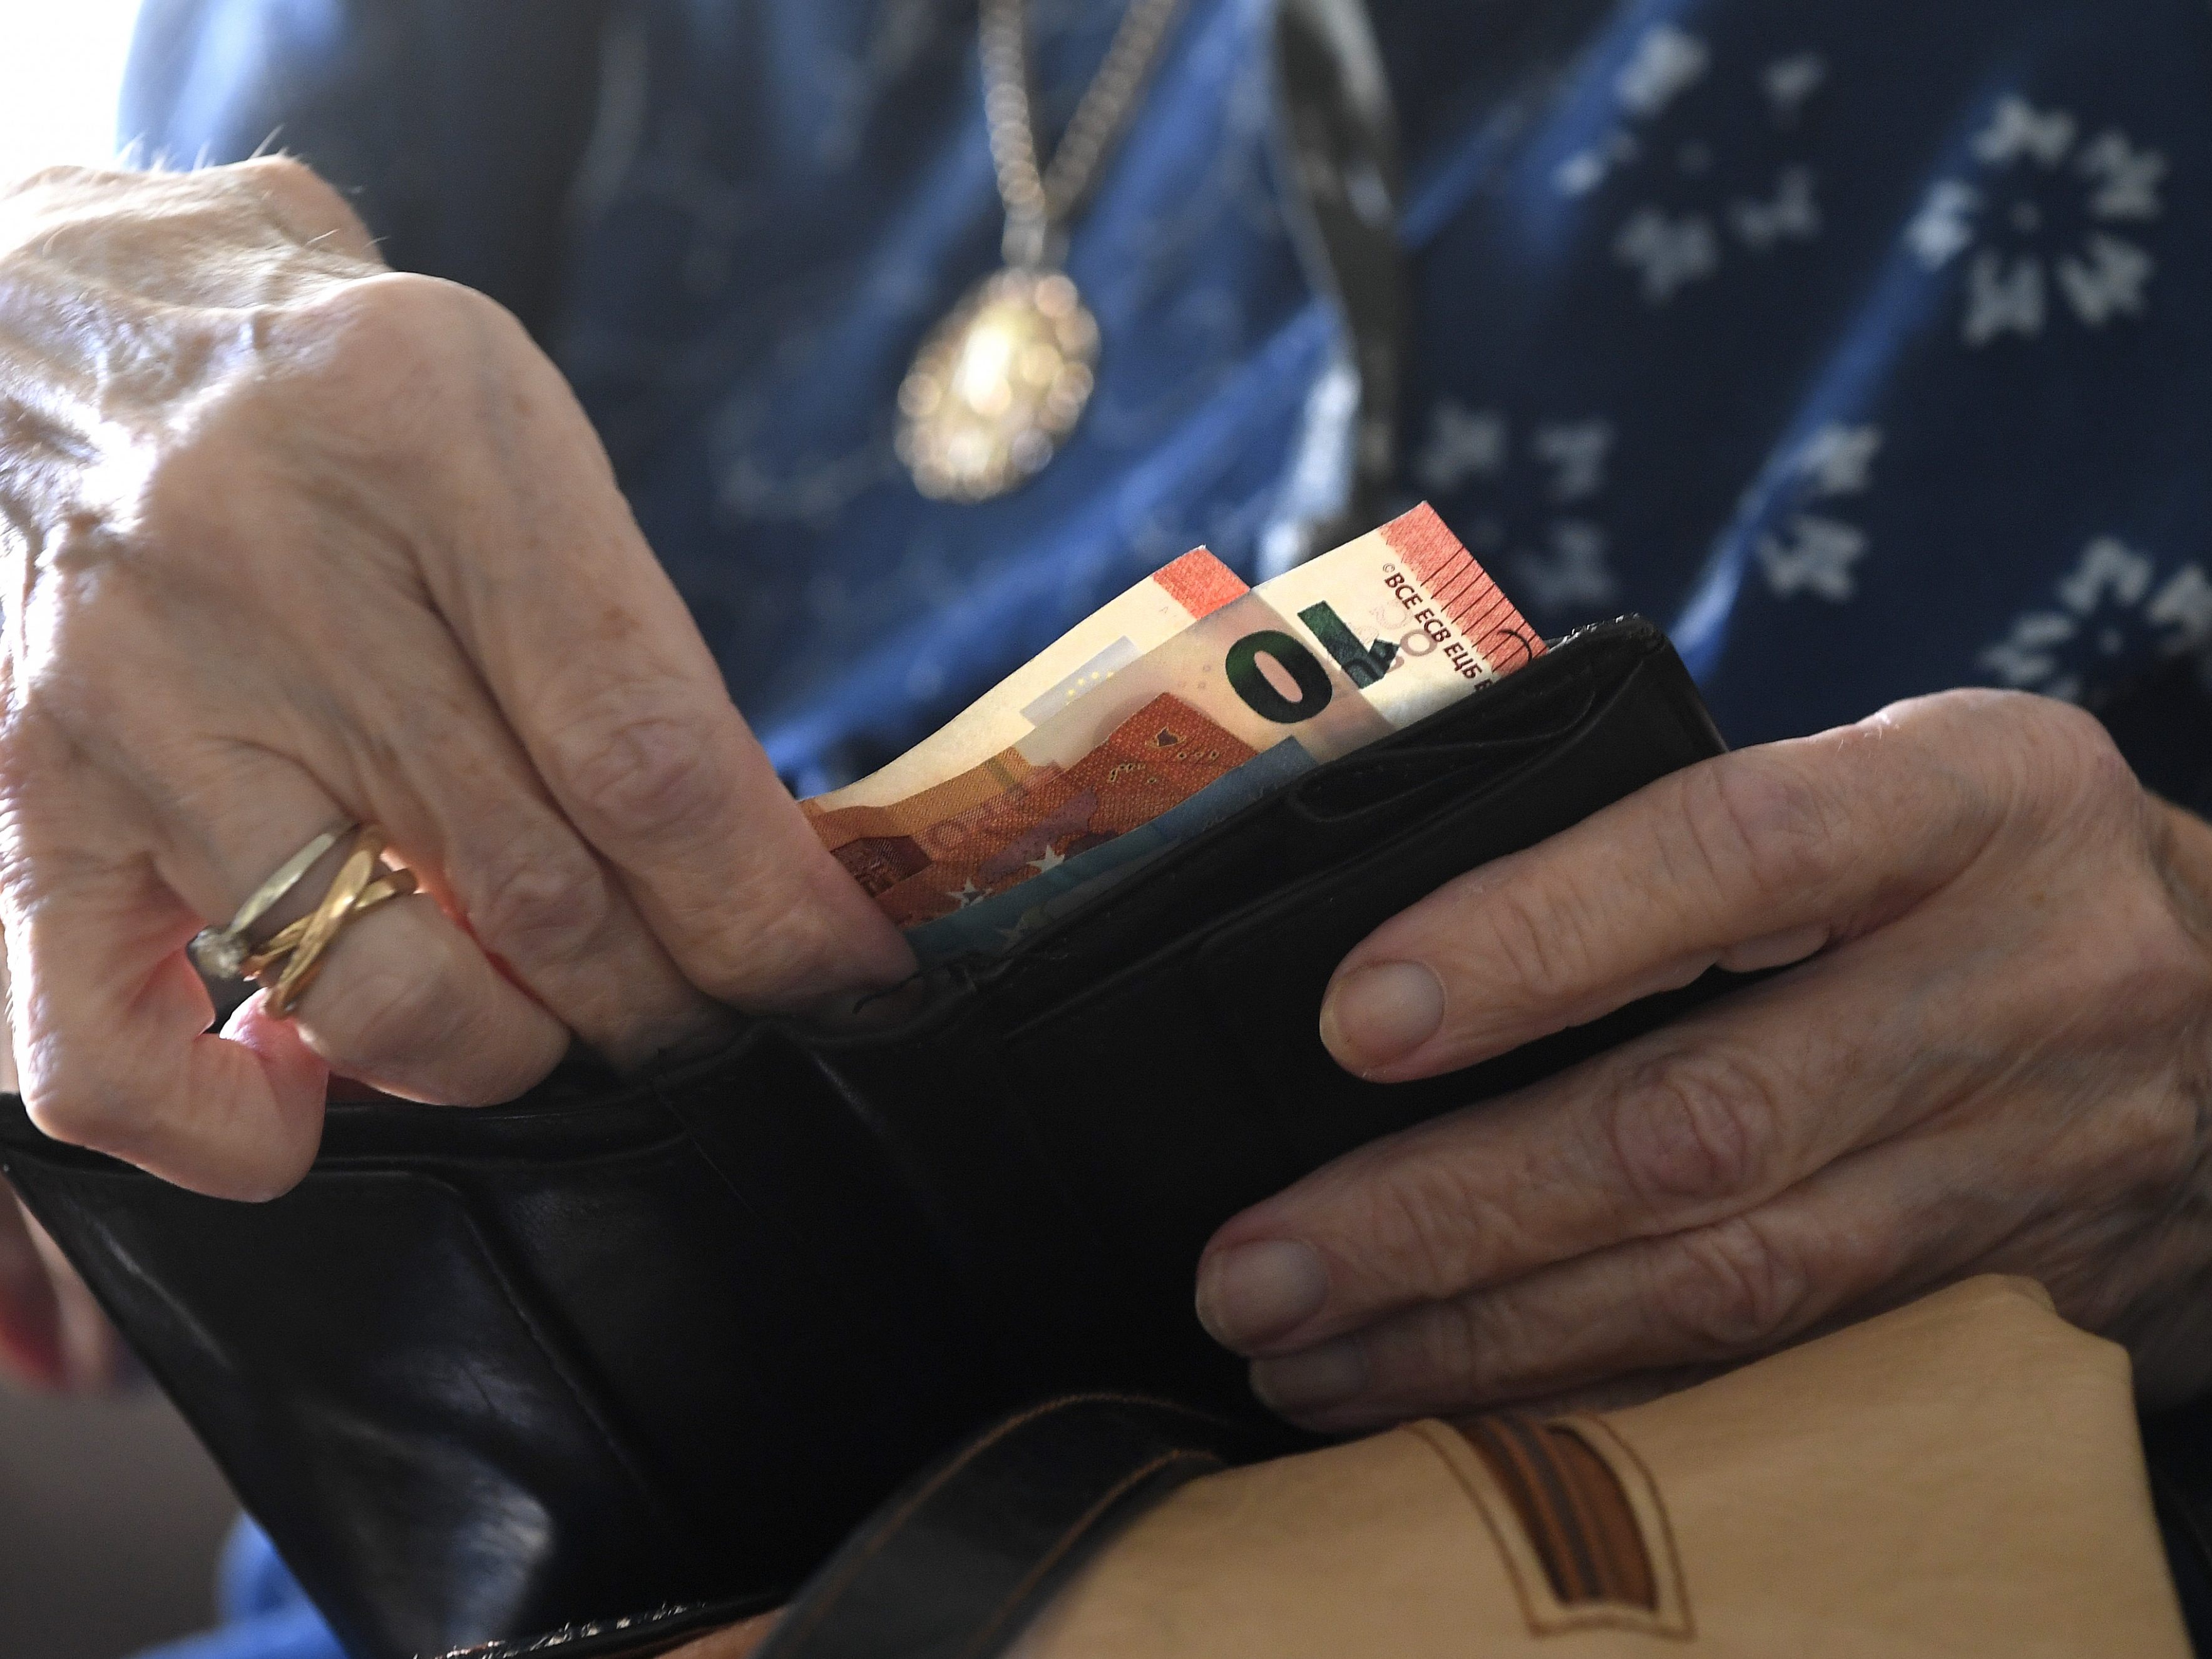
[1160, 1053]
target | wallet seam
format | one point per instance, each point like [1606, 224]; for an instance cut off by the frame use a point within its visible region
[818, 1606]
[1076, 1531]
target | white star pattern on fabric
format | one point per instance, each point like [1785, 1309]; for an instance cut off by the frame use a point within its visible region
[1999, 301]
[1818, 553]
[1586, 169]
[2107, 565]
[1944, 226]
[1576, 452]
[1559, 562]
[2127, 178]
[2006, 219]
[1788, 82]
[2106, 603]
[1571, 572]
[2110, 283]
[1790, 215]
[1666, 63]
[1838, 460]
[1051, 860]
[2017, 131]
[1670, 253]
[1816, 558]
[1673, 247]
[1463, 443]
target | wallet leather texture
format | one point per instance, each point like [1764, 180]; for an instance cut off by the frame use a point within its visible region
[661, 1342]
[956, 1564]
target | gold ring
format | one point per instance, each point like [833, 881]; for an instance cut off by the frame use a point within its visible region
[287, 964]
[389, 885]
[222, 952]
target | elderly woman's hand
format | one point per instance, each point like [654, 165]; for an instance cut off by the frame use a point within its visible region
[1994, 1054]
[293, 541]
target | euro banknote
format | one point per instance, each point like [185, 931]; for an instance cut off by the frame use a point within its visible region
[1110, 638]
[1153, 746]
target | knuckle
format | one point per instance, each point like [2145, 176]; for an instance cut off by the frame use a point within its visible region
[2069, 755]
[278, 169]
[1475, 1351]
[186, 516]
[415, 343]
[1411, 1238]
[2009, 754]
[196, 223]
[1692, 1129]
[308, 204]
[767, 950]
[1971, 712]
[2139, 1151]
[1547, 936]
[1492, 1346]
[58, 198]
[1753, 819]
[538, 899]
[1447, 1353]
[401, 321]
[58, 176]
[640, 776]
[2164, 973]
[25, 775]
[1731, 1290]
[456, 1034]
[1426, 1229]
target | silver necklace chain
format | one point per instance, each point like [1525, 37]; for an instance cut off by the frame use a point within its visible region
[1040, 196]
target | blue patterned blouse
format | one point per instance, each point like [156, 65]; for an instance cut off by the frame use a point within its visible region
[1856, 340]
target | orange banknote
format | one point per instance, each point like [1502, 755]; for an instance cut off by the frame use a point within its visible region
[1107, 738]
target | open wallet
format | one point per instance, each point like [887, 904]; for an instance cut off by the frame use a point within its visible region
[634, 1355]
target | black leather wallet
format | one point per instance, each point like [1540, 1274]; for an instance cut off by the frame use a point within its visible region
[659, 1343]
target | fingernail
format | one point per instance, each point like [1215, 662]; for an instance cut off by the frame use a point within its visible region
[1313, 1381]
[1373, 1016]
[1251, 1293]
[1774, 949]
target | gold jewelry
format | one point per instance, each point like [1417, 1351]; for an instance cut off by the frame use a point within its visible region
[999, 384]
[221, 952]
[391, 884]
[344, 899]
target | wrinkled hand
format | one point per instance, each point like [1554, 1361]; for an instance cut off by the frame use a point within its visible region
[1994, 1054]
[291, 540]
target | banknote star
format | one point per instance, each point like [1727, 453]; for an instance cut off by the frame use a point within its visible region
[1051, 860]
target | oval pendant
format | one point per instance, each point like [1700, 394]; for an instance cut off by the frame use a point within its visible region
[997, 386]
